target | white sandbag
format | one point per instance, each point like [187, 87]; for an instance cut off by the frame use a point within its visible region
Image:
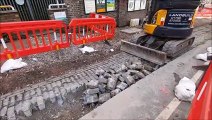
[12, 64]
[209, 49]
[185, 90]
[87, 49]
[202, 56]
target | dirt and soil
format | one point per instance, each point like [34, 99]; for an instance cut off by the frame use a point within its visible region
[53, 63]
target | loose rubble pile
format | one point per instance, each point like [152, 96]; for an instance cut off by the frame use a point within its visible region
[115, 80]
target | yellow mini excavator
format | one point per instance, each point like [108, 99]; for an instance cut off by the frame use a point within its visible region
[167, 30]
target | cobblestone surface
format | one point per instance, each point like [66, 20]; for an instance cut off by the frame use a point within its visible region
[54, 90]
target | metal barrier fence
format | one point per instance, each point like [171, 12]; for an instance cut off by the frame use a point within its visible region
[31, 9]
[95, 28]
[31, 37]
[25, 38]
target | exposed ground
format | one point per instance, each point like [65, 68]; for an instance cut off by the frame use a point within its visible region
[50, 65]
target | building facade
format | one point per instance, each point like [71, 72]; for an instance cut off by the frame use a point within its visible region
[76, 9]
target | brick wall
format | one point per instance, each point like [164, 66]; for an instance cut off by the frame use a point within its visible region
[75, 9]
[9, 16]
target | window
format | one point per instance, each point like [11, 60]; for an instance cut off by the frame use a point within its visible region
[134, 5]
[99, 6]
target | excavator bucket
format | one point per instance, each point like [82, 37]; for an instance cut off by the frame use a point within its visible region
[154, 56]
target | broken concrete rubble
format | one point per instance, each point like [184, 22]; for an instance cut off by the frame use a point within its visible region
[128, 79]
[121, 86]
[111, 84]
[99, 72]
[93, 84]
[115, 92]
[102, 79]
[92, 91]
[104, 97]
[88, 99]
[114, 80]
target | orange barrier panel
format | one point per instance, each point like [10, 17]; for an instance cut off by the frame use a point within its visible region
[201, 108]
[25, 38]
[204, 13]
[95, 28]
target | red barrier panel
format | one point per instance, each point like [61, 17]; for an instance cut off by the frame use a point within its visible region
[31, 37]
[204, 13]
[201, 108]
[95, 28]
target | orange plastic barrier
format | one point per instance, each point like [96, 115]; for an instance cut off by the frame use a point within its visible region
[26, 38]
[95, 28]
[201, 108]
[204, 13]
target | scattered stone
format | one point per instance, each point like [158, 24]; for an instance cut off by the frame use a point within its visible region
[32, 92]
[58, 83]
[122, 86]
[38, 92]
[146, 72]
[56, 91]
[107, 75]
[3, 112]
[115, 92]
[111, 84]
[102, 88]
[12, 101]
[52, 96]
[102, 79]
[104, 97]
[26, 108]
[11, 113]
[124, 68]
[19, 97]
[43, 88]
[18, 108]
[148, 67]
[74, 87]
[99, 72]
[91, 91]
[111, 71]
[60, 100]
[40, 103]
[129, 79]
[88, 99]
[45, 96]
[136, 73]
[33, 101]
[54, 84]
[1, 104]
[67, 86]
[63, 92]
[6, 101]
[27, 95]
[121, 78]
[49, 87]
[93, 84]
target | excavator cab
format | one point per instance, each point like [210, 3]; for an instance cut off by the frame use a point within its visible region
[167, 30]
[171, 18]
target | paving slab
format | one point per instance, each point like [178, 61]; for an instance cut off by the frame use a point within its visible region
[131, 30]
[149, 96]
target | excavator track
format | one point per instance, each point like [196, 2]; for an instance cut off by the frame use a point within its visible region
[174, 48]
[170, 48]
